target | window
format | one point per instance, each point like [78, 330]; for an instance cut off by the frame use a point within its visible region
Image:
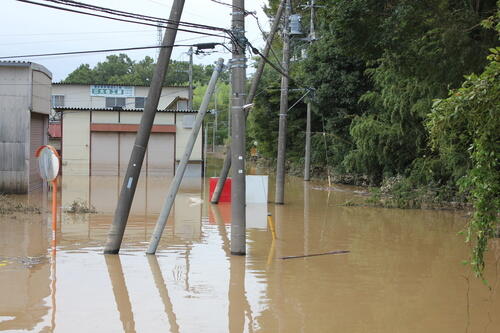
[188, 121]
[57, 101]
[112, 102]
[140, 102]
[182, 104]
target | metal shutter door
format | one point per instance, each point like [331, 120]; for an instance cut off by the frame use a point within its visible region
[161, 155]
[127, 141]
[37, 134]
[104, 154]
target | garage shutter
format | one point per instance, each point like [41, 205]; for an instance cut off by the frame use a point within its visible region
[104, 154]
[110, 154]
[37, 134]
[161, 154]
[126, 144]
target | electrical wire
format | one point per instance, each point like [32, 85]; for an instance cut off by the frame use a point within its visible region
[90, 51]
[156, 24]
[134, 15]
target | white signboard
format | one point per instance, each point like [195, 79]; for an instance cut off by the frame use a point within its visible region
[112, 91]
[256, 189]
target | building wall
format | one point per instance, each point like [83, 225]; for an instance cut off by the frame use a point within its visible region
[76, 143]
[41, 90]
[77, 138]
[15, 102]
[76, 147]
[78, 96]
[183, 137]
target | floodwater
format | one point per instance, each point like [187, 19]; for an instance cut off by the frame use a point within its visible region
[403, 272]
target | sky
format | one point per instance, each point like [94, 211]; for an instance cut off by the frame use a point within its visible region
[30, 29]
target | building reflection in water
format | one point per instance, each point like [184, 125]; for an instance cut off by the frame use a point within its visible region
[102, 192]
[25, 273]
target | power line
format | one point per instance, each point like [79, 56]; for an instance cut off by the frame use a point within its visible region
[133, 15]
[156, 24]
[89, 51]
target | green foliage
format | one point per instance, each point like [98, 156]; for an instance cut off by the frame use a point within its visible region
[120, 69]
[465, 126]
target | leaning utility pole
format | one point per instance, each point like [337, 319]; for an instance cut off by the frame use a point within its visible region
[238, 129]
[251, 95]
[280, 167]
[117, 229]
[190, 72]
[179, 173]
[307, 164]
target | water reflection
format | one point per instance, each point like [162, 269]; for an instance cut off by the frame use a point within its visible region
[120, 292]
[403, 273]
[24, 273]
[163, 292]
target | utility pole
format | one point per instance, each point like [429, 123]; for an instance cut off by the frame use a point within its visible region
[216, 112]
[190, 72]
[117, 229]
[251, 95]
[307, 164]
[280, 167]
[176, 182]
[238, 130]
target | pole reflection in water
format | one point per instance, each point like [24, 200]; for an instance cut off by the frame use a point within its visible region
[306, 218]
[238, 302]
[163, 291]
[120, 292]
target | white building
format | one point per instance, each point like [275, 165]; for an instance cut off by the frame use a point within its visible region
[99, 124]
[24, 111]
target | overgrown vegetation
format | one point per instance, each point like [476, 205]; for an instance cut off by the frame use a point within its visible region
[382, 73]
[465, 129]
[9, 206]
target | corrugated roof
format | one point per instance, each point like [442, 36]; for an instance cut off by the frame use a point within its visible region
[109, 84]
[121, 110]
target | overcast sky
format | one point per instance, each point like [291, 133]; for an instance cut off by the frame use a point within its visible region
[30, 29]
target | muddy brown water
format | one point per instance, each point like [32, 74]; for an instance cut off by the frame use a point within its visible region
[403, 272]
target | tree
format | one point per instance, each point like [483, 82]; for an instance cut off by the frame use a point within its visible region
[121, 70]
[464, 129]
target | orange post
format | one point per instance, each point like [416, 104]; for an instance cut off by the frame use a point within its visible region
[52, 177]
[54, 212]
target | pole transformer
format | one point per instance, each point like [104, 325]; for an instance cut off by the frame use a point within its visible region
[251, 95]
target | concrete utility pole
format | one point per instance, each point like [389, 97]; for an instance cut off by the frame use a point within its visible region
[238, 130]
[251, 95]
[280, 167]
[190, 72]
[117, 229]
[307, 165]
[176, 183]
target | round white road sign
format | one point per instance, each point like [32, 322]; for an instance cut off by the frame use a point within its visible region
[48, 162]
